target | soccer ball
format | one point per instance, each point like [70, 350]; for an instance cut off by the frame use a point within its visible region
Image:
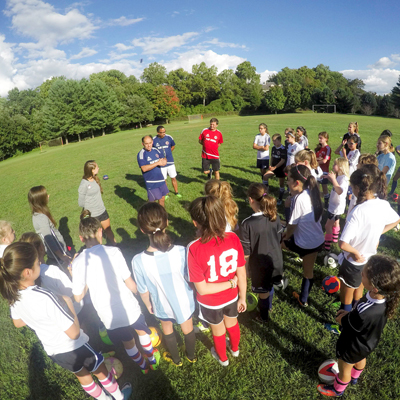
[105, 177]
[331, 284]
[251, 301]
[114, 366]
[395, 196]
[331, 260]
[327, 371]
[397, 228]
[154, 337]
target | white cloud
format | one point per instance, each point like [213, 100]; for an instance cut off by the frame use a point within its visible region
[395, 58]
[174, 14]
[7, 69]
[86, 52]
[117, 56]
[265, 75]
[216, 42]
[38, 50]
[155, 45]
[384, 62]
[188, 59]
[123, 21]
[209, 29]
[122, 47]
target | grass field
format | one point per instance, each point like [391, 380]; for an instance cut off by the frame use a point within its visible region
[278, 360]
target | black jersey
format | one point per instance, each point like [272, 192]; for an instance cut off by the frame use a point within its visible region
[277, 154]
[362, 329]
[346, 137]
[260, 239]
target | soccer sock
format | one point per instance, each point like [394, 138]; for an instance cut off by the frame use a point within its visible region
[394, 186]
[306, 286]
[326, 200]
[172, 346]
[263, 305]
[145, 341]
[220, 347]
[234, 336]
[339, 386]
[111, 385]
[265, 183]
[287, 214]
[346, 307]
[281, 192]
[328, 241]
[136, 356]
[190, 344]
[355, 373]
[270, 297]
[94, 390]
[335, 234]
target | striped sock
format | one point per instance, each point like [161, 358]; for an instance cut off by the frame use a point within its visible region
[111, 385]
[94, 390]
[145, 341]
[335, 234]
[136, 356]
[339, 385]
[328, 241]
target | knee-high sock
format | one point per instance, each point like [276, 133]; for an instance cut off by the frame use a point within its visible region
[394, 186]
[136, 356]
[355, 373]
[335, 234]
[339, 385]
[328, 241]
[306, 286]
[190, 344]
[172, 346]
[234, 336]
[145, 341]
[220, 347]
[287, 214]
[94, 390]
[270, 297]
[111, 385]
[281, 192]
[263, 305]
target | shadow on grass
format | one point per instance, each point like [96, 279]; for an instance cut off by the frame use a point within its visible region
[128, 194]
[65, 233]
[185, 179]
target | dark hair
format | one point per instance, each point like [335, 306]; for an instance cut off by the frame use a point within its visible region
[214, 120]
[16, 258]
[159, 127]
[38, 200]
[386, 132]
[367, 158]
[384, 274]
[324, 135]
[354, 138]
[277, 136]
[303, 174]
[153, 220]
[302, 130]
[88, 172]
[209, 213]
[88, 226]
[145, 136]
[368, 178]
[264, 126]
[267, 203]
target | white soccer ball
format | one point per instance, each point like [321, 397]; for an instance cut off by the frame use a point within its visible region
[331, 260]
[397, 228]
[327, 371]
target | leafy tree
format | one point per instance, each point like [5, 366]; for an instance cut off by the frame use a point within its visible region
[368, 103]
[292, 93]
[115, 80]
[166, 102]
[155, 73]
[275, 99]
[229, 84]
[23, 102]
[44, 88]
[344, 100]
[395, 95]
[204, 81]
[323, 95]
[137, 110]
[181, 81]
[385, 106]
[247, 73]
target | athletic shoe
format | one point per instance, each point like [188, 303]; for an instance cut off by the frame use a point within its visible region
[178, 195]
[336, 305]
[191, 361]
[166, 196]
[328, 390]
[297, 297]
[279, 202]
[156, 363]
[354, 381]
[126, 390]
[332, 328]
[167, 357]
[228, 345]
[210, 174]
[199, 327]
[260, 320]
[215, 355]
[296, 259]
[282, 284]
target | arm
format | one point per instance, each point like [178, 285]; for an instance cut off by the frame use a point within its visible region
[172, 148]
[242, 284]
[210, 288]
[281, 162]
[160, 163]
[131, 285]
[385, 169]
[82, 193]
[390, 226]
[354, 254]
[337, 151]
[74, 331]
[18, 323]
[146, 300]
[336, 186]
[79, 297]
[289, 232]
[322, 161]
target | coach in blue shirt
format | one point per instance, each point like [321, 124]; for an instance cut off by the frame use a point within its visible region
[150, 161]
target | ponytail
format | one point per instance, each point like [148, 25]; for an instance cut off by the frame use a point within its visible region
[88, 226]
[307, 155]
[302, 130]
[267, 203]
[153, 220]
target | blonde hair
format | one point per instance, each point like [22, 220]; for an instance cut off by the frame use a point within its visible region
[5, 228]
[223, 191]
[355, 126]
[387, 140]
[307, 155]
[264, 126]
[343, 165]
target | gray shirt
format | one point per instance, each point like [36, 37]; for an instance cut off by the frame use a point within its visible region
[90, 197]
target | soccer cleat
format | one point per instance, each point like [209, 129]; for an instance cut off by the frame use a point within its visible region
[328, 390]
[354, 381]
[332, 328]
[154, 365]
[297, 297]
[199, 327]
[228, 345]
[178, 195]
[191, 361]
[260, 320]
[167, 357]
[282, 284]
[126, 390]
[215, 355]
[166, 196]
[279, 202]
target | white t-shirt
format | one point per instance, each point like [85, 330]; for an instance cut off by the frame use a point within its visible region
[103, 269]
[352, 157]
[337, 202]
[262, 140]
[317, 173]
[49, 317]
[2, 248]
[303, 142]
[364, 226]
[292, 150]
[308, 233]
[352, 204]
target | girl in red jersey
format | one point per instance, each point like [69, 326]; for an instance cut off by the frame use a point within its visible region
[323, 153]
[217, 267]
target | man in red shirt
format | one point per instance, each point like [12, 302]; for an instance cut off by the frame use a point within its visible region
[210, 138]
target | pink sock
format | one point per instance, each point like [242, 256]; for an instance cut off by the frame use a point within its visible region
[110, 384]
[93, 390]
[339, 385]
[335, 234]
[355, 373]
[328, 241]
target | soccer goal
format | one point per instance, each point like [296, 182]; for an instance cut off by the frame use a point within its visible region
[195, 117]
[55, 142]
[324, 108]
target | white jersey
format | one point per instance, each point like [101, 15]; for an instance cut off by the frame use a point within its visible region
[2, 249]
[364, 226]
[352, 157]
[103, 269]
[337, 202]
[292, 150]
[317, 173]
[49, 317]
[303, 142]
[262, 140]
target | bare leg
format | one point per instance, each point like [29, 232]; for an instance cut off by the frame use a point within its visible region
[108, 232]
[161, 202]
[175, 184]
[216, 174]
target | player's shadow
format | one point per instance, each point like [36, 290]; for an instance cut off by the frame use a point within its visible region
[185, 229]
[202, 174]
[253, 171]
[65, 233]
[185, 179]
[128, 194]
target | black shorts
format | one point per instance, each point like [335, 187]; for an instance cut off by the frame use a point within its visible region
[84, 357]
[127, 333]
[333, 216]
[103, 217]
[263, 164]
[350, 274]
[349, 352]
[205, 163]
[280, 172]
[324, 181]
[292, 246]
[216, 316]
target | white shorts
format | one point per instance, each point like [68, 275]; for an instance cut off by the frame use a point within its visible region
[169, 170]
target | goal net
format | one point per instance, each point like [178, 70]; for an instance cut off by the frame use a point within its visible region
[55, 142]
[195, 117]
[324, 108]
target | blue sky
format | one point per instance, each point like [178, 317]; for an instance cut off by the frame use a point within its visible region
[40, 39]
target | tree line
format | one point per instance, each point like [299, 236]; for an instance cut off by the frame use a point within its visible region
[110, 100]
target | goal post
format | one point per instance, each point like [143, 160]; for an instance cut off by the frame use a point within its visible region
[195, 117]
[55, 142]
[326, 108]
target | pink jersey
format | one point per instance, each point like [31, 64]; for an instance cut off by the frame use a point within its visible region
[325, 154]
[215, 261]
[211, 141]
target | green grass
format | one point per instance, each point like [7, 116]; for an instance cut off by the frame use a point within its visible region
[277, 361]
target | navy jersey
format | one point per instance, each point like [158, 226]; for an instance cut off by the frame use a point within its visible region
[164, 146]
[153, 178]
[277, 154]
